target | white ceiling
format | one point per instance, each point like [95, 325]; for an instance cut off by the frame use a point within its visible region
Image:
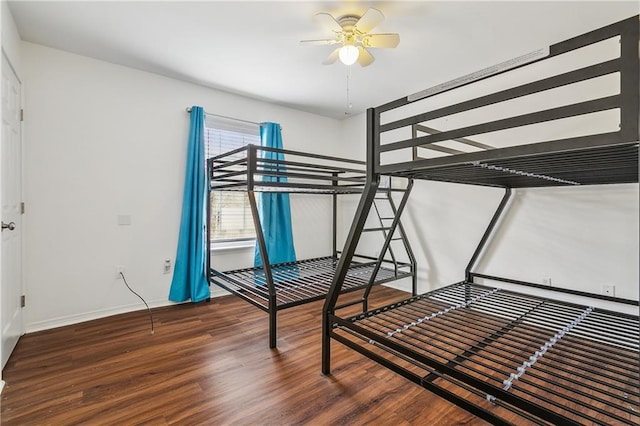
[251, 48]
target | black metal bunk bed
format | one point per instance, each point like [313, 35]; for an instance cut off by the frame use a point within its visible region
[505, 356]
[274, 287]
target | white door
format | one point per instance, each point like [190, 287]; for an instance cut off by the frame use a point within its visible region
[11, 196]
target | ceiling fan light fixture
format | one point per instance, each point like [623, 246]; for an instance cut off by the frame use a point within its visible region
[348, 54]
[351, 34]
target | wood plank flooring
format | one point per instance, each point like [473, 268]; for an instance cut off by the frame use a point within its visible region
[208, 364]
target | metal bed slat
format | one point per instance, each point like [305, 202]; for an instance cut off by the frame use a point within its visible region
[485, 345]
[580, 351]
[585, 347]
[576, 144]
[475, 351]
[558, 168]
[305, 286]
[241, 283]
[571, 386]
[572, 165]
[297, 287]
[449, 371]
[438, 390]
[442, 342]
[234, 290]
[602, 334]
[436, 337]
[624, 323]
[433, 349]
[548, 311]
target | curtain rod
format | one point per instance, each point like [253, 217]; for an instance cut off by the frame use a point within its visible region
[224, 116]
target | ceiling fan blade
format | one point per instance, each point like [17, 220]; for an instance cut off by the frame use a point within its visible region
[328, 21]
[381, 40]
[369, 20]
[320, 42]
[333, 56]
[364, 57]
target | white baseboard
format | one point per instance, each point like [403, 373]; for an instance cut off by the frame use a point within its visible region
[218, 292]
[103, 313]
[89, 316]
[1, 385]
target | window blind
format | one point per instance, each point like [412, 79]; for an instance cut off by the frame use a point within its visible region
[230, 213]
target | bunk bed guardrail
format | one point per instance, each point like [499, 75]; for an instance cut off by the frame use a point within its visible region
[573, 158]
[247, 169]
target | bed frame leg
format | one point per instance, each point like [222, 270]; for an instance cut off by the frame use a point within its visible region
[273, 327]
[414, 281]
[326, 345]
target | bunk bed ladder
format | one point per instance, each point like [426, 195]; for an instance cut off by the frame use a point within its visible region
[382, 219]
[402, 237]
[389, 232]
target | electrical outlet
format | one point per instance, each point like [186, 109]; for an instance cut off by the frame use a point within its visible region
[546, 281]
[167, 266]
[119, 269]
[608, 290]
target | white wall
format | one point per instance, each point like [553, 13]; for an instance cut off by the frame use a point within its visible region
[579, 237]
[103, 140]
[10, 39]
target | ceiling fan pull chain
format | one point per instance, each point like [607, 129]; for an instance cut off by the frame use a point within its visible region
[349, 106]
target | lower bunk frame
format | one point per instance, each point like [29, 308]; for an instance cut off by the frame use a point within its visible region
[507, 357]
[305, 281]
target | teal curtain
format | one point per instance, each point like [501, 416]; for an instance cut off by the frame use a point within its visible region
[274, 208]
[189, 276]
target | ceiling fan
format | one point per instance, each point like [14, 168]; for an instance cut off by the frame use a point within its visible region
[352, 32]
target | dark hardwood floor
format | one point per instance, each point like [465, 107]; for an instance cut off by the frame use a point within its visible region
[208, 364]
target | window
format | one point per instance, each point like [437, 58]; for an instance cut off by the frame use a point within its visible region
[230, 213]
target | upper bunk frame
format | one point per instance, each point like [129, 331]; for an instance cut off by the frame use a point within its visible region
[610, 157]
[273, 287]
[448, 343]
[249, 168]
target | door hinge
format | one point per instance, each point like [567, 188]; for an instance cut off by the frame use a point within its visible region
[21, 115]
[22, 207]
[23, 301]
